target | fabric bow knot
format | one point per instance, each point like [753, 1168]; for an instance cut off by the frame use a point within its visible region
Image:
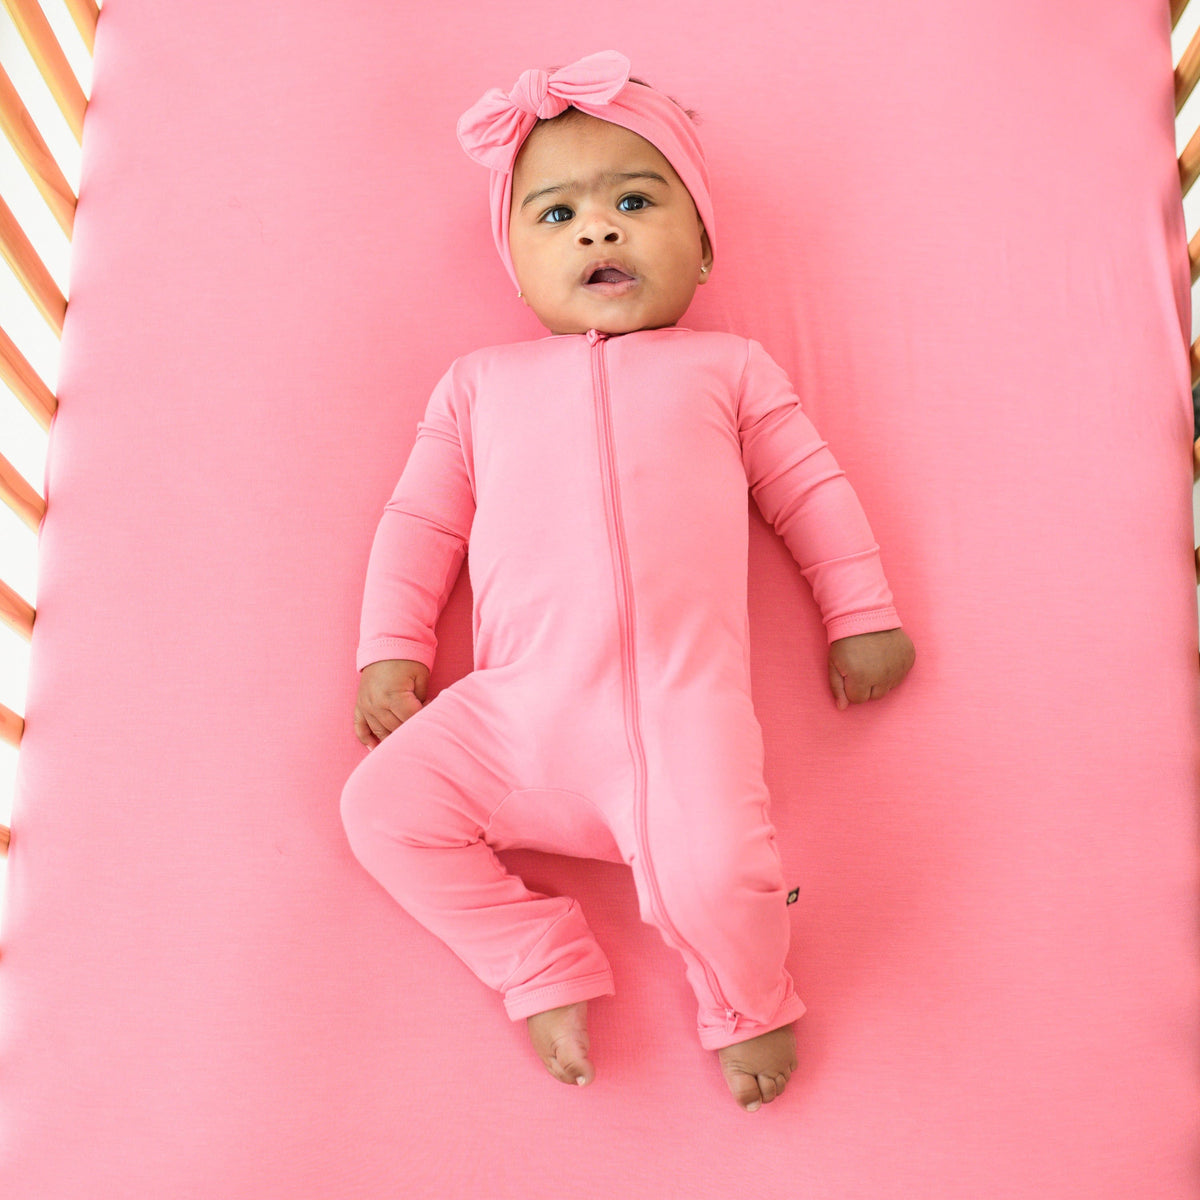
[491, 130]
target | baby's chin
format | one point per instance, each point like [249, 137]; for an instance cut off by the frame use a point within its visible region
[610, 325]
[612, 318]
[605, 327]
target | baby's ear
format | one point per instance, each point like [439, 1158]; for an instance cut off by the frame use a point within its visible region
[706, 254]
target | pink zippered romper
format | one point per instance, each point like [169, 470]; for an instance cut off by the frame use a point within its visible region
[601, 482]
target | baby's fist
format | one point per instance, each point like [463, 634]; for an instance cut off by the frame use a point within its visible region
[389, 692]
[868, 665]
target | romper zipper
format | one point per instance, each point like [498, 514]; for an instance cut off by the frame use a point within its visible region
[620, 553]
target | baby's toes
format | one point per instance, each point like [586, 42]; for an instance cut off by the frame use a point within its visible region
[771, 1086]
[559, 1036]
[569, 1062]
[745, 1090]
[577, 1071]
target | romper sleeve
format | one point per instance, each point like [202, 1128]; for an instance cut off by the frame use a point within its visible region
[422, 536]
[799, 487]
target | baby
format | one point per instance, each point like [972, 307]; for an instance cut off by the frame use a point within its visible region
[600, 475]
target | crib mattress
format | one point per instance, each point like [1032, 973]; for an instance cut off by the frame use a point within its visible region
[959, 228]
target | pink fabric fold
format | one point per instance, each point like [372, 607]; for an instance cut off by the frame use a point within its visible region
[492, 130]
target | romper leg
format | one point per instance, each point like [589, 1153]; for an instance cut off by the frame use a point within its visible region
[713, 880]
[415, 810]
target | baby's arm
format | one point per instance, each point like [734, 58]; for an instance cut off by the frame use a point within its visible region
[802, 491]
[415, 558]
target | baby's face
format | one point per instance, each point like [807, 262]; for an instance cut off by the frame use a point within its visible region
[588, 194]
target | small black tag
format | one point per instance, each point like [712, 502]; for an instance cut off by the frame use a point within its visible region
[793, 895]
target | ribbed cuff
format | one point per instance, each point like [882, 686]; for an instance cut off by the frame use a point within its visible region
[525, 1003]
[875, 621]
[380, 649]
[715, 1032]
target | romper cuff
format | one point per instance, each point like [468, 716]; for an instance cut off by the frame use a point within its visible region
[380, 649]
[875, 621]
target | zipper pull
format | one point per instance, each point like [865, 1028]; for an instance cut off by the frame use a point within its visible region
[594, 335]
[731, 1020]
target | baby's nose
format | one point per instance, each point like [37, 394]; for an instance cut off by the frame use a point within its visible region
[599, 229]
[611, 236]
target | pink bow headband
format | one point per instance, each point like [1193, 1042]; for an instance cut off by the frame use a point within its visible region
[494, 128]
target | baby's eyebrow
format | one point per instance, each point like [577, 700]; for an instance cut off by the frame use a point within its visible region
[606, 177]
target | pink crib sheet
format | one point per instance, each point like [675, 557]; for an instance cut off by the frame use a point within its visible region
[959, 228]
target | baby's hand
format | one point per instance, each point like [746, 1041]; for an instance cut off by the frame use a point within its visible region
[868, 665]
[389, 692]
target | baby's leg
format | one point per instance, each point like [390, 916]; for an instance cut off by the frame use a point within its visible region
[710, 878]
[415, 810]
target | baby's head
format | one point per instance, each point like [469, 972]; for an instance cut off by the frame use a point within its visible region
[600, 210]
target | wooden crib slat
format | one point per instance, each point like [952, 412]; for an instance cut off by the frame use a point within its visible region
[16, 612]
[1189, 163]
[25, 382]
[1187, 72]
[12, 727]
[20, 495]
[39, 37]
[18, 251]
[1177, 11]
[35, 155]
[15, 370]
[85, 14]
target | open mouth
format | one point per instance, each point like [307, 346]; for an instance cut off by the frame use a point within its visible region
[609, 275]
[610, 281]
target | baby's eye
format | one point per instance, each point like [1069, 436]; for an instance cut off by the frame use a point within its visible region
[635, 203]
[550, 217]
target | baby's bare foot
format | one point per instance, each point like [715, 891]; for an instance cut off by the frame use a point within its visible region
[560, 1037]
[757, 1070]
